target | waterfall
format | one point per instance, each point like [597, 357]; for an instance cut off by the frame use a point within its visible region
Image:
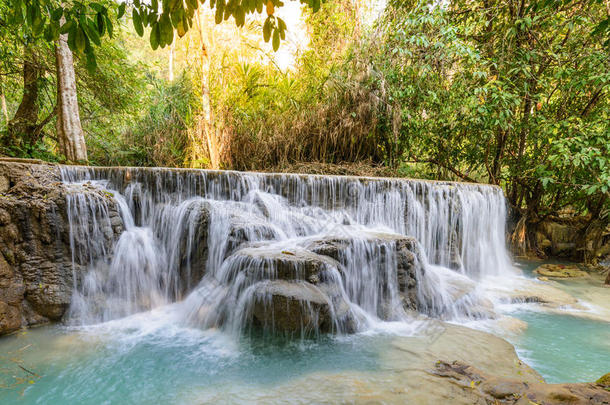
[283, 252]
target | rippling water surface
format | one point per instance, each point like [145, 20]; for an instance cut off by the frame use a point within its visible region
[155, 364]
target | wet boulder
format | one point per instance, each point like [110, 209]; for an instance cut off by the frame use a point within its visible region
[295, 291]
[399, 252]
[290, 263]
[193, 245]
[231, 230]
[244, 229]
[302, 308]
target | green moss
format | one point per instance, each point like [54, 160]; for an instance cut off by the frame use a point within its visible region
[604, 381]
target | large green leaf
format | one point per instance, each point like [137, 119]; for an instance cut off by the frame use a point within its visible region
[137, 22]
[276, 39]
[80, 40]
[267, 30]
[167, 30]
[155, 36]
[121, 10]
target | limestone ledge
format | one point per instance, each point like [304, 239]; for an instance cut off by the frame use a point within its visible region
[36, 271]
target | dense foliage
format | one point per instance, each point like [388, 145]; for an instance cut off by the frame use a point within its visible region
[512, 93]
[505, 92]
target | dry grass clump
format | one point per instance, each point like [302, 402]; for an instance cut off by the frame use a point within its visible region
[362, 169]
[349, 120]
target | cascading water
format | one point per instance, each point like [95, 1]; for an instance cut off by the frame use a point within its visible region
[326, 253]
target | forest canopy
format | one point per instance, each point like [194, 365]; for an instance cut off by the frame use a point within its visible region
[511, 93]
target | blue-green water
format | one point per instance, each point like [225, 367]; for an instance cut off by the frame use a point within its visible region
[564, 348]
[137, 363]
[560, 346]
[148, 359]
[132, 366]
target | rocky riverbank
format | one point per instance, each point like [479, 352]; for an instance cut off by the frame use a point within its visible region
[36, 267]
[574, 238]
[443, 364]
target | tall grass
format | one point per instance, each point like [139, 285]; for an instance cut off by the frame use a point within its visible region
[332, 108]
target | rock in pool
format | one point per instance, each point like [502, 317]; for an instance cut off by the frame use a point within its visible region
[560, 271]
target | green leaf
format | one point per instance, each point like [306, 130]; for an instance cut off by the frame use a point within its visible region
[18, 14]
[49, 34]
[219, 13]
[276, 40]
[30, 14]
[194, 4]
[180, 30]
[176, 16]
[80, 40]
[240, 16]
[267, 29]
[91, 30]
[37, 21]
[121, 11]
[72, 37]
[57, 13]
[97, 7]
[101, 24]
[108, 25]
[155, 36]
[137, 22]
[167, 30]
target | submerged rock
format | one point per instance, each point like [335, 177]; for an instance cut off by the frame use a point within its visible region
[560, 271]
[604, 381]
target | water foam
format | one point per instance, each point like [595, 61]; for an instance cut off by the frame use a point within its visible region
[244, 220]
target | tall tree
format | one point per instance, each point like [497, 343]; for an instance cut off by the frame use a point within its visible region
[207, 128]
[70, 136]
[24, 124]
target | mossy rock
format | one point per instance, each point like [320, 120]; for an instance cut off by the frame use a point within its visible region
[560, 271]
[604, 381]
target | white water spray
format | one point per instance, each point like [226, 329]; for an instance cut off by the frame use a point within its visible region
[351, 252]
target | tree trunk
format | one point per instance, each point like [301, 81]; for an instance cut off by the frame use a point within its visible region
[4, 109]
[22, 128]
[70, 134]
[3, 102]
[171, 62]
[207, 127]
